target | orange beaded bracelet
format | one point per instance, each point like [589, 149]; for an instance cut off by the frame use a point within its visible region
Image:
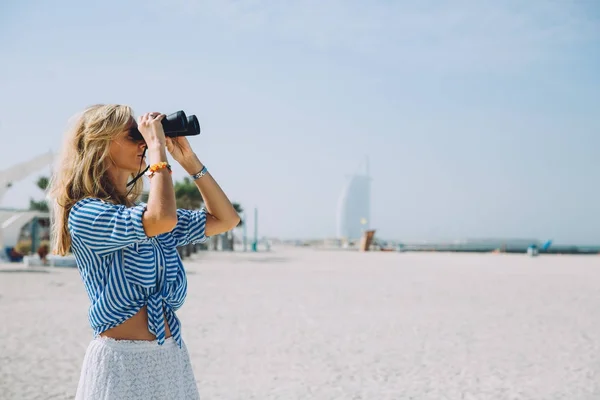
[158, 166]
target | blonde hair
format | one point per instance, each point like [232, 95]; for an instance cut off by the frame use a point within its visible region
[81, 170]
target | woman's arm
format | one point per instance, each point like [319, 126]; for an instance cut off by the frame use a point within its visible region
[221, 216]
[105, 227]
[161, 210]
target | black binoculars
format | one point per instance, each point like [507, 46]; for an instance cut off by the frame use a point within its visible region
[176, 124]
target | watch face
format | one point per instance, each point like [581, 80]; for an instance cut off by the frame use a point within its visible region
[200, 174]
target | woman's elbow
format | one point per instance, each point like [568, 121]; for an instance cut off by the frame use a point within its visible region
[159, 224]
[235, 222]
[169, 223]
[216, 226]
[229, 224]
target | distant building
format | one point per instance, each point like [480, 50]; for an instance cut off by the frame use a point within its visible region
[354, 206]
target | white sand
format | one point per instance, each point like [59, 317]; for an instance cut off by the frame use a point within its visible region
[309, 324]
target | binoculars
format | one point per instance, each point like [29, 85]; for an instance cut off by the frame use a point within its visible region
[175, 124]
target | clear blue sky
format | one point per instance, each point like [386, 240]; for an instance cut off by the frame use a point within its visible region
[480, 119]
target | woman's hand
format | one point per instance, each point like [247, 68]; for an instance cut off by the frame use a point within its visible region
[180, 149]
[150, 126]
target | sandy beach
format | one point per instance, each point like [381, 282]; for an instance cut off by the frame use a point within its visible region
[313, 324]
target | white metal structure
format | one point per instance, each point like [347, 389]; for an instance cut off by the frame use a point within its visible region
[11, 222]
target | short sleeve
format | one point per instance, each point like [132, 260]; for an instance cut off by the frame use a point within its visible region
[104, 227]
[190, 228]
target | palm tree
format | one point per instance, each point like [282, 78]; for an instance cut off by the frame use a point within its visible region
[239, 210]
[187, 195]
[41, 205]
[43, 182]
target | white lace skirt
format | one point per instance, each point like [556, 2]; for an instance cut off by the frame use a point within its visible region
[136, 369]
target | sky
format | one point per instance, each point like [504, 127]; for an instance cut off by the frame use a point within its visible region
[479, 119]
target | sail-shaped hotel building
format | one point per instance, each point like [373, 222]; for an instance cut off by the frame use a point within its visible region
[354, 206]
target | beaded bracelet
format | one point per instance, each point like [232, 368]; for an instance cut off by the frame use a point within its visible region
[158, 166]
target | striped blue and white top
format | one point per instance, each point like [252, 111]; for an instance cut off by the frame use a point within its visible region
[123, 269]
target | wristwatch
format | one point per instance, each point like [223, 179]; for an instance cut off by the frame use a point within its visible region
[200, 174]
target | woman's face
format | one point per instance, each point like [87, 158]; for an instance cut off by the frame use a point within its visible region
[127, 153]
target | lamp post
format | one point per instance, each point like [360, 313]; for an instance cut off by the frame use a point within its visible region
[255, 242]
[244, 230]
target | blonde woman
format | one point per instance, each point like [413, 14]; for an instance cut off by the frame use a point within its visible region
[126, 251]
